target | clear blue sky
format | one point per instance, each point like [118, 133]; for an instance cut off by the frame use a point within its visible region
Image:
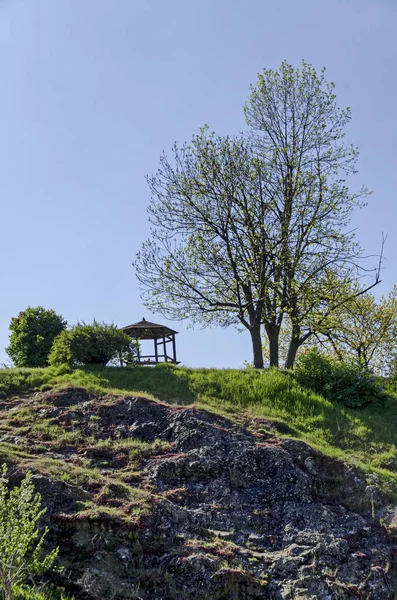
[93, 90]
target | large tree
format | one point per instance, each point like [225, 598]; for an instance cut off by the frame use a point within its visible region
[243, 227]
[298, 129]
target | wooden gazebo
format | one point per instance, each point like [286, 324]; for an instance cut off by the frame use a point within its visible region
[162, 337]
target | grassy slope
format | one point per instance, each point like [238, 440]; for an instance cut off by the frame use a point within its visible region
[366, 438]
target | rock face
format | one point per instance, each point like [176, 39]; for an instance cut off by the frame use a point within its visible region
[235, 512]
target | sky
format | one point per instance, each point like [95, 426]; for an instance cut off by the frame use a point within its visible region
[92, 92]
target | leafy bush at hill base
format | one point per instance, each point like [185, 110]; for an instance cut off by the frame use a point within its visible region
[343, 382]
[95, 344]
[21, 544]
[32, 334]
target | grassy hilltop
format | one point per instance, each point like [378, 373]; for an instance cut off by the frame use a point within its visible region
[366, 438]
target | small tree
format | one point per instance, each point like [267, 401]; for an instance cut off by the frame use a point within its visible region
[32, 334]
[322, 312]
[95, 344]
[364, 331]
[21, 544]
[347, 324]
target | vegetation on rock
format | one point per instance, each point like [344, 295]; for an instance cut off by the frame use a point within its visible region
[22, 554]
[203, 493]
[365, 437]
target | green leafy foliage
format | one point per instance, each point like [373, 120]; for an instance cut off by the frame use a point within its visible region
[349, 383]
[32, 334]
[361, 329]
[392, 379]
[24, 592]
[364, 331]
[95, 344]
[21, 545]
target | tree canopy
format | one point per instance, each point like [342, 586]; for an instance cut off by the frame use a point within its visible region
[32, 334]
[364, 330]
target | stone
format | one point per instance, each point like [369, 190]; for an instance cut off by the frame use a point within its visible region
[231, 514]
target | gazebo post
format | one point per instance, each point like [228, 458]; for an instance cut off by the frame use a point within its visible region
[156, 351]
[174, 347]
[165, 349]
[138, 352]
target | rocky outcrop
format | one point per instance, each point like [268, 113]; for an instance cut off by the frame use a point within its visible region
[231, 511]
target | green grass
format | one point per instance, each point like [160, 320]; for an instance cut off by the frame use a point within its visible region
[364, 437]
[14, 381]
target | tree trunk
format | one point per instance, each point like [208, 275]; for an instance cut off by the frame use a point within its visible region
[274, 349]
[273, 335]
[296, 341]
[7, 590]
[257, 346]
[293, 348]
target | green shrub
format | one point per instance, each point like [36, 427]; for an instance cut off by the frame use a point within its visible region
[313, 370]
[24, 592]
[21, 544]
[344, 382]
[95, 344]
[391, 380]
[32, 334]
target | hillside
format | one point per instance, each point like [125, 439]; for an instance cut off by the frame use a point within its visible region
[201, 484]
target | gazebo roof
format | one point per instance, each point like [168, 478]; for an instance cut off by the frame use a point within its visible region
[145, 330]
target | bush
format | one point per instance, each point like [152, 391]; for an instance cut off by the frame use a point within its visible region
[95, 344]
[33, 332]
[391, 380]
[24, 592]
[344, 382]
